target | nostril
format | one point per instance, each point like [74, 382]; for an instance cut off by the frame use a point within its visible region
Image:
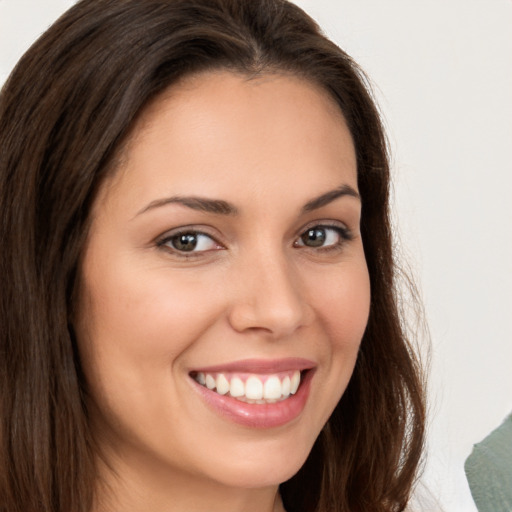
[275, 315]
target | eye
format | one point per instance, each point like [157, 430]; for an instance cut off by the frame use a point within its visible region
[323, 236]
[189, 242]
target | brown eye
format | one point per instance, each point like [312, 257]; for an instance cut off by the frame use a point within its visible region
[184, 242]
[323, 237]
[189, 242]
[314, 237]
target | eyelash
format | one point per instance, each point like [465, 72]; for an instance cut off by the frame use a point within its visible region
[342, 232]
[167, 242]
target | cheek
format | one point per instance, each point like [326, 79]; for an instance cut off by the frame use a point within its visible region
[134, 333]
[343, 306]
[146, 314]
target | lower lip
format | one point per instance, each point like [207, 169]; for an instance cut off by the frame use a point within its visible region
[259, 415]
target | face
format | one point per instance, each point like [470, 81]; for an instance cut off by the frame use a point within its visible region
[224, 285]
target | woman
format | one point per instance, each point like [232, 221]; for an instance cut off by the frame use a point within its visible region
[199, 309]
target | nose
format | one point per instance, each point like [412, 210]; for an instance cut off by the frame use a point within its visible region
[269, 298]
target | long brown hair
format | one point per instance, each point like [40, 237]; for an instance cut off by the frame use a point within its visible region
[64, 114]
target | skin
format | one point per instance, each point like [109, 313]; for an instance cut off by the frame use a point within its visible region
[149, 314]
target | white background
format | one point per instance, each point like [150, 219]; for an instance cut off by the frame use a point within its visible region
[442, 72]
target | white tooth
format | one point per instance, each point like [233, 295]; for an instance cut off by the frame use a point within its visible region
[222, 384]
[200, 378]
[272, 388]
[237, 387]
[254, 388]
[295, 381]
[286, 386]
[210, 381]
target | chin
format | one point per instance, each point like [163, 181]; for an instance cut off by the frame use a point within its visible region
[264, 466]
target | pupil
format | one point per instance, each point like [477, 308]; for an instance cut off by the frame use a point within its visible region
[185, 242]
[314, 237]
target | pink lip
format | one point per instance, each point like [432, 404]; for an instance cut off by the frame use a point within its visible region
[260, 366]
[257, 415]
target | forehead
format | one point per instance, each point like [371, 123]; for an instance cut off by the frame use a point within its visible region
[221, 127]
[228, 86]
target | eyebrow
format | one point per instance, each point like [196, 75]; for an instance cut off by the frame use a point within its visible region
[329, 197]
[201, 204]
[220, 207]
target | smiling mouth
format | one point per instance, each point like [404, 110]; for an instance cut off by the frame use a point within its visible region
[252, 388]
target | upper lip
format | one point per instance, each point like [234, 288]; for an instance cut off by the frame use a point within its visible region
[260, 366]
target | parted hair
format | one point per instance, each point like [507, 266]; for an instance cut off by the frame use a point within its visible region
[65, 112]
